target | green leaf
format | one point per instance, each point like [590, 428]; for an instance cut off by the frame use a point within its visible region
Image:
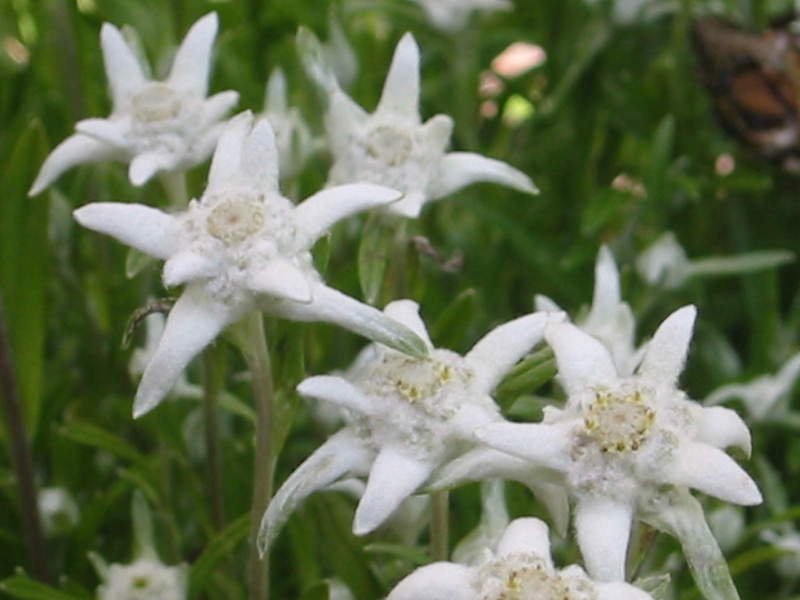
[740, 263]
[448, 331]
[529, 374]
[23, 265]
[373, 255]
[655, 585]
[23, 587]
[660, 155]
[91, 435]
[136, 262]
[217, 550]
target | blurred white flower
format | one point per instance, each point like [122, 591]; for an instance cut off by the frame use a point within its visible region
[622, 441]
[156, 126]
[520, 567]
[761, 395]
[727, 524]
[609, 319]
[146, 578]
[664, 263]
[292, 135]
[242, 247]
[471, 550]
[453, 15]
[788, 539]
[392, 146]
[410, 415]
[57, 510]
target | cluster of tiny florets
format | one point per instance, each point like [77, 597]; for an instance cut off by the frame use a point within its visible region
[525, 576]
[618, 422]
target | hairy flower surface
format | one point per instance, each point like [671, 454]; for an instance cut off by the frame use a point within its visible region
[242, 247]
[155, 126]
[609, 319]
[621, 442]
[520, 568]
[453, 15]
[409, 415]
[392, 146]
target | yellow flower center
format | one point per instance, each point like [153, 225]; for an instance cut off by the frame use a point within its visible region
[388, 145]
[618, 422]
[233, 220]
[523, 576]
[156, 102]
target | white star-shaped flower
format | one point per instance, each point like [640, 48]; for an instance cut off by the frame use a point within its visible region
[453, 15]
[761, 395]
[621, 439]
[242, 247]
[156, 126]
[520, 568]
[609, 319]
[410, 415]
[392, 146]
[292, 135]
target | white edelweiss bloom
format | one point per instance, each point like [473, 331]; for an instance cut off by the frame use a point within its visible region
[609, 319]
[520, 567]
[453, 15]
[58, 510]
[761, 395]
[392, 146]
[621, 442]
[242, 247]
[292, 135]
[787, 539]
[409, 416]
[156, 126]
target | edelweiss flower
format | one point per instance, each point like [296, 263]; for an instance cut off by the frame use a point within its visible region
[452, 15]
[146, 578]
[242, 247]
[410, 416]
[156, 126]
[621, 439]
[392, 146]
[761, 395]
[521, 568]
[57, 510]
[610, 320]
[292, 135]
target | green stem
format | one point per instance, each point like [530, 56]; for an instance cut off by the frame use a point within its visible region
[212, 384]
[254, 347]
[440, 525]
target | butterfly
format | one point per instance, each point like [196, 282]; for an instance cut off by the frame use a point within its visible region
[754, 80]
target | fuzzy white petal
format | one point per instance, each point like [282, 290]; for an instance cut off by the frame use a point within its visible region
[409, 206]
[583, 361]
[713, 472]
[544, 303]
[147, 164]
[123, 70]
[275, 94]
[147, 229]
[437, 131]
[394, 476]
[318, 213]
[721, 427]
[336, 390]
[281, 279]
[499, 350]
[620, 591]
[217, 106]
[342, 118]
[527, 535]
[192, 324]
[666, 352]
[228, 156]
[260, 157]
[437, 581]
[334, 307]
[187, 266]
[460, 169]
[105, 130]
[607, 295]
[546, 445]
[406, 312]
[74, 150]
[192, 64]
[603, 528]
[342, 455]
[401, 89]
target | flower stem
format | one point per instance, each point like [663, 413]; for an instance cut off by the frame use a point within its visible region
[174, 183]
[440, 525]
[212, 383]
[254, 347]
[22, 458]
